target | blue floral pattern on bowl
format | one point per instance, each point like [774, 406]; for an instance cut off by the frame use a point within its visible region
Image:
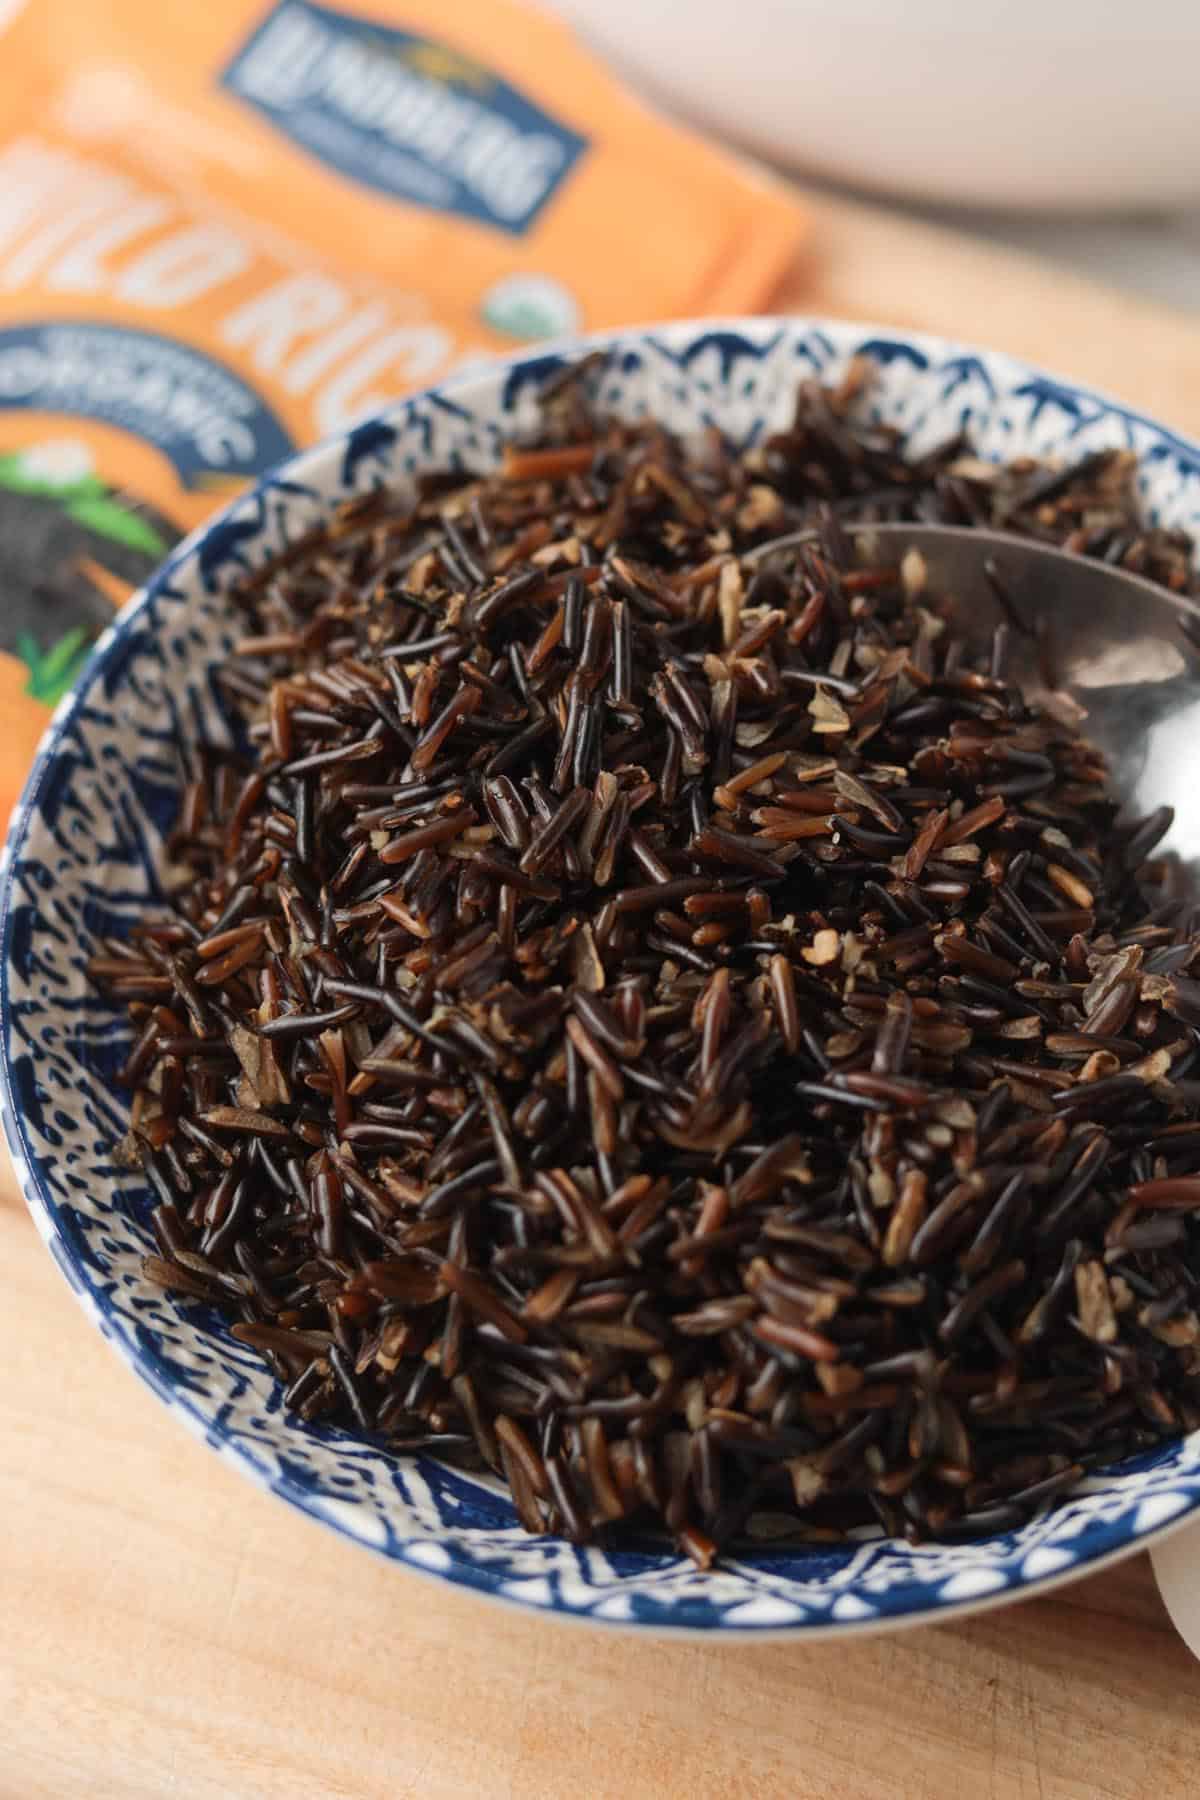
[82, 859]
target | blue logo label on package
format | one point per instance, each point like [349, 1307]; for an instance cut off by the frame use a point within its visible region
[198, 413]
[404, 115]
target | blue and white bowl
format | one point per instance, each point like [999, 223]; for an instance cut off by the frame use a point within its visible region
[82, 860]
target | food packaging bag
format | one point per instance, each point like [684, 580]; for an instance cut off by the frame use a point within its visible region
[229, 229]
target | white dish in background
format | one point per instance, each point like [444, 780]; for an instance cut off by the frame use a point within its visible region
[1021, 103]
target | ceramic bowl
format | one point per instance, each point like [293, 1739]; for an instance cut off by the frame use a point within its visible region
[1054, 104]
[81, 861]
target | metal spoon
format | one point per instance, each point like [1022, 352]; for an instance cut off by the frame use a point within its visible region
[1082, 634]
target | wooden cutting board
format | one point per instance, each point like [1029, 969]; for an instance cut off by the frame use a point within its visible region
[867, 263]
[167, 1630]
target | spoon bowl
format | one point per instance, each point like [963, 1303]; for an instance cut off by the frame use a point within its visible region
[1100, 646]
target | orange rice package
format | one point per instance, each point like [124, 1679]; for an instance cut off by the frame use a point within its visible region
[229, 228]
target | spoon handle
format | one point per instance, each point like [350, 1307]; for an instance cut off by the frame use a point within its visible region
[1176, 1561]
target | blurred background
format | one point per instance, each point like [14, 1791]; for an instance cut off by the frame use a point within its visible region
[1068, 128]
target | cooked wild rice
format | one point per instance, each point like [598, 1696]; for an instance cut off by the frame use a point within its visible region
[681, 1035]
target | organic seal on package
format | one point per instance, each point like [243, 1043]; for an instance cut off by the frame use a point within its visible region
[228, 230]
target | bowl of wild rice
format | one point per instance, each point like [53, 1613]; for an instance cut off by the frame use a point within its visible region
[649, 1082]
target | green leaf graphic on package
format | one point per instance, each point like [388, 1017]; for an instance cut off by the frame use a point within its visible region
[52, 672]
[63, 472]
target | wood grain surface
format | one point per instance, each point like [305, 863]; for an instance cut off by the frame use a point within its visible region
[864, 262]
[167, 1632]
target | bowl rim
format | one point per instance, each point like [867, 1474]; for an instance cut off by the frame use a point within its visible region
[758, 330]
